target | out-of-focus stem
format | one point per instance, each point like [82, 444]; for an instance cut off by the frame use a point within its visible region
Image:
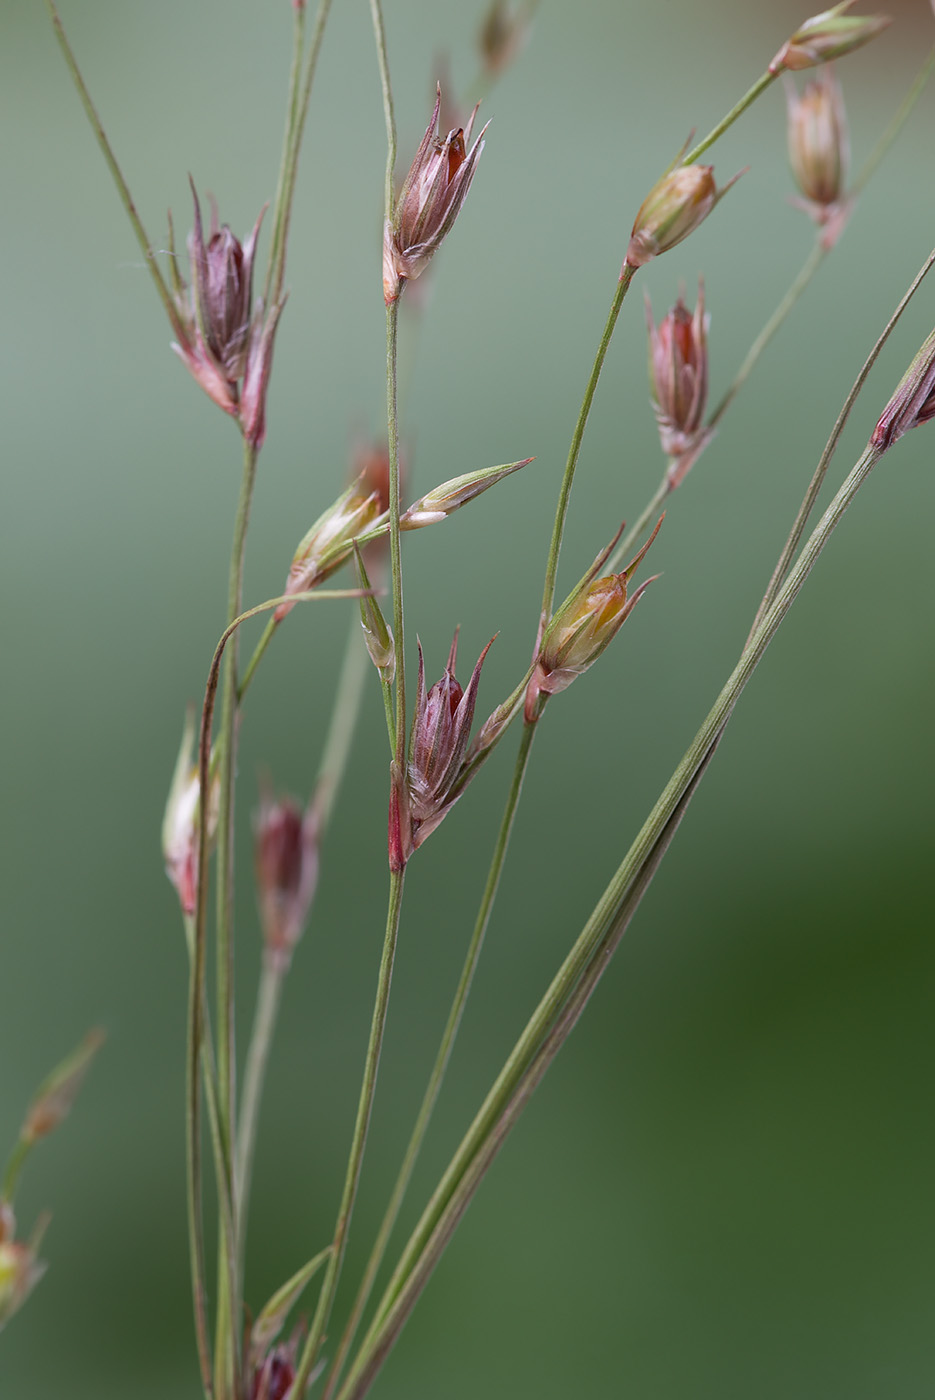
[800, 282]
[359, 1141]
[900, 118]
[298, 116]
[574, 451]
[277, 242]
[811, 495]
[344, 715]
[441, 1063]
[227, 1340]
[261, 1040]
[749, 97]
[123, 190]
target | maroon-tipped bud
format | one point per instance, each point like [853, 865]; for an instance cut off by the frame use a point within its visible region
[181, 823]
[818, 149]
[285, 859]
[441, 729]
[673, 209]
[226, 338]
[274, 1371]
[429, 201]
[678, 377]
[330, 541]
[222, 282]
[258, 369]
[586, 623]
[502, 35]
[832, 34]
[913, 402]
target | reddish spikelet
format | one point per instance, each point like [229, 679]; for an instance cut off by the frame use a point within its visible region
[285, 858]
[429, 201]
[678, 377]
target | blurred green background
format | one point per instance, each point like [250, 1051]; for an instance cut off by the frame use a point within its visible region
[723, 1189]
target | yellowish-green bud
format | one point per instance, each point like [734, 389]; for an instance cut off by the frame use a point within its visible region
[832, 34]
[673, 209]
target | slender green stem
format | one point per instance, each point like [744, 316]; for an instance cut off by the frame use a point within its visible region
[769, 618]
[392, 415]
[226, 746]
[123, 190]
[276, 247]
[441, 1062]
[261, 1039]
[574, 451]
[344, 716]
[811, 495]
[258, 652]
[379, 33]
[896, 125]
[805, 274]
[736, 111]
[227, 1342]
[358, 1143]
[368, 1364]
[14, 1166]
[604, 916]
[318, 34]
[399, 636]
[195, 1023]
[639, 525]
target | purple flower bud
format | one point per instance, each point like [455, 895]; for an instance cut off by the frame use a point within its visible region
[226, 339]
[222, 278]
[429, 202]
[286, 867]
[441, 728]
[678, 377]
[913, 402]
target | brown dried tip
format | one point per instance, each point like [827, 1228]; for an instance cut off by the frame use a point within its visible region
[429, 201]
